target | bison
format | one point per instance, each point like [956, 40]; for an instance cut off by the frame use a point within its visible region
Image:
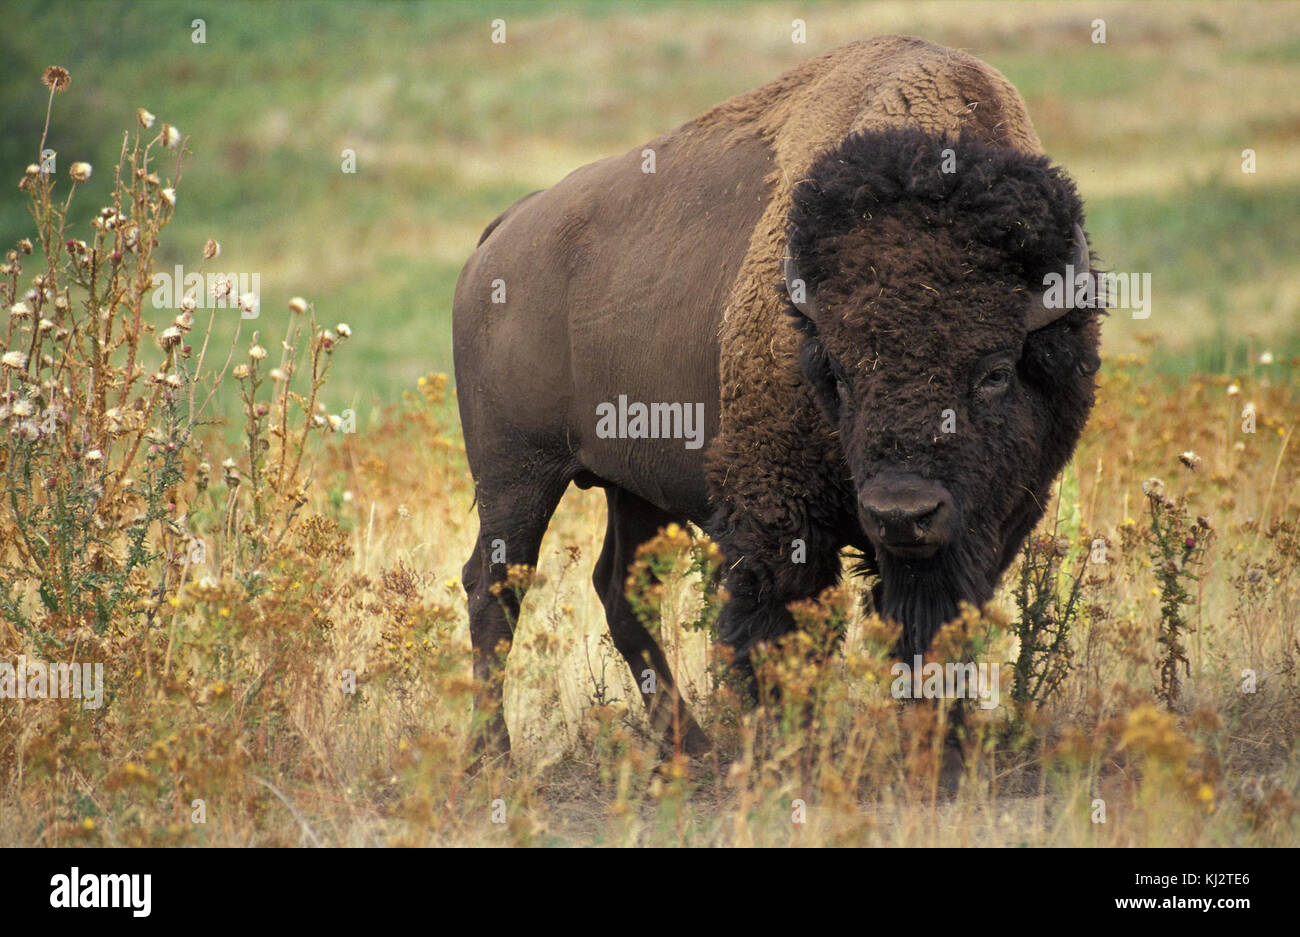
[840, 275]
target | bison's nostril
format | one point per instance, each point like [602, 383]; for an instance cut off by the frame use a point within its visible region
[902, 525]
[907, 513]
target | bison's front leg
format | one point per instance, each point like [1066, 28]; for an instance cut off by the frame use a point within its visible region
[767, 568]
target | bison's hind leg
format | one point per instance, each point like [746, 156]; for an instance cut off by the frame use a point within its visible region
[512, 519]
[633, 521]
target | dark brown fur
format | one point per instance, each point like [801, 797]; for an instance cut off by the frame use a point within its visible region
[662, 287]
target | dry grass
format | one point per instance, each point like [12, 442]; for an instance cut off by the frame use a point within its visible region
[369, 584]
[305, 678]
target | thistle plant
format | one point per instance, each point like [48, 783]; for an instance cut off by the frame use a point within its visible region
[104, 474]
[1048, 598]
[1176, 546]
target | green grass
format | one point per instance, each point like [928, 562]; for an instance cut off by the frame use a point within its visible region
[449, 129]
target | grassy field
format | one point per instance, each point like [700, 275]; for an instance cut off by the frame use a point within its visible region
[224, 679]
[449, 129]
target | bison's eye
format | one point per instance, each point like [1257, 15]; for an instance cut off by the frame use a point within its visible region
[996, 380]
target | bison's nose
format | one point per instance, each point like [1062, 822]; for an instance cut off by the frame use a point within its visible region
[908, 516]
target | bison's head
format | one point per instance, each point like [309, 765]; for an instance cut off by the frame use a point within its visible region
[916, 269]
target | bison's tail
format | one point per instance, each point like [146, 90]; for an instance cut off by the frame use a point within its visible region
[495, 222]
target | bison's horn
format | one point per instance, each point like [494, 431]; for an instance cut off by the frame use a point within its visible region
[796, 287]
[1041, 314]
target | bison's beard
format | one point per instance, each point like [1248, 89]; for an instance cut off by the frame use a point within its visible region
[922, 596]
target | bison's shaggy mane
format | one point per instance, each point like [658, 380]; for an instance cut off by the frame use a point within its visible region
[872, 225]
[1017, 204]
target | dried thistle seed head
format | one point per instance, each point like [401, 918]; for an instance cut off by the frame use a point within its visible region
[248, 302]
[298, 305]
[1190, 459]
[25, 245]
[240, 372]
[146, 119]
[80, 172]
[344, 330]
[170, 338]
[278, 375]
[56, 78]
[211, 249]
[189, 304]
[1153, 488]
[184, 321]
[45, 325]
[93, 456]
[171, 136]
[32, 170]
[14, 360]
[169, 196]
[257, 352]
[173, 380]
[20, 310]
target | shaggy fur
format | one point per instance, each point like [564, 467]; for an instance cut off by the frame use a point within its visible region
[778, 470]
[661, 287]
[917, 276]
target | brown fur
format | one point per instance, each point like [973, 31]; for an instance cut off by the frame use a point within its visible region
[874, 84]
[661, 286]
